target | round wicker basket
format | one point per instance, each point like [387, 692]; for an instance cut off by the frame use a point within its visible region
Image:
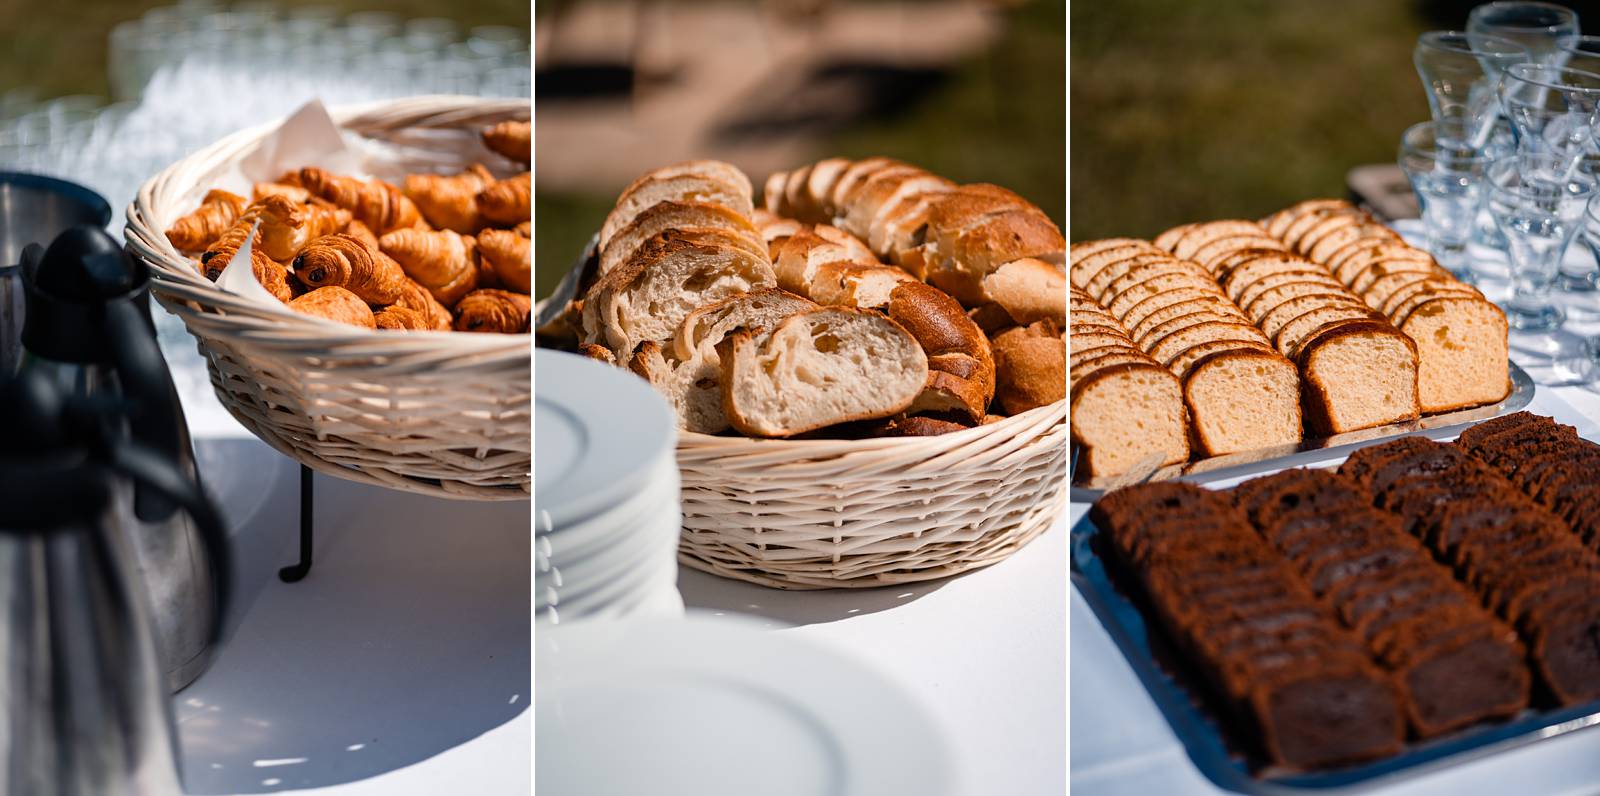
[438, 413]
[809, 514]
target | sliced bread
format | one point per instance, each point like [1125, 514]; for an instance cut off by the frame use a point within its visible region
[1461, 350]
[1356, 376]
[1125, 414]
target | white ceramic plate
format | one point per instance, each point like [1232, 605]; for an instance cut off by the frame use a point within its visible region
[601, 431]
[658, 494]
[709, 707]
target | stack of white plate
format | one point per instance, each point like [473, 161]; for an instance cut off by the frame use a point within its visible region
[605, 493]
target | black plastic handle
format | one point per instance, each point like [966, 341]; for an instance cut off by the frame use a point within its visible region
[158, 475]
[147, 386]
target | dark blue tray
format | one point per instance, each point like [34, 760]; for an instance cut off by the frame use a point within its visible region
[1202, 736]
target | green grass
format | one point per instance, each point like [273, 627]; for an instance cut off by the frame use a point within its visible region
[60, 48]
[1187, 111]
[999, 119]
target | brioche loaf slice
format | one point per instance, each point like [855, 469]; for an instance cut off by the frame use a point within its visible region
[1086, 266]
[1241, 399]
[1198, 235]
[647, 297]
[1358, 375]
[820, 368]
[1124, 414]
[1461, 350]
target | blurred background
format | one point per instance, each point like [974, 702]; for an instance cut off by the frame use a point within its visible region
[969, 89]
[1190, 111]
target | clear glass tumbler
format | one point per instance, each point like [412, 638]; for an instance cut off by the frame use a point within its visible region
[1539, 218]
[1541, 27]
[1448, 178]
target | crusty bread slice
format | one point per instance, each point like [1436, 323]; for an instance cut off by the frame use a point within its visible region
[1084, 363]
[1202, 234]
[668, 216]
[1236, 281]
[1242, 400]
[1082, 341]
[1136, 269]
[1217, 250]
[1141, 310]
[881, 195]
[1400, 303]
[1461, 353]
[1171, 325]
[686, 188]
[1125, 414]
[1275, 298]
[1085, 267]
[1278, 223]
[711, 169]
[1385, 286]
[856, 284]
[1258, 290]
[1084, 248]
[1168, 239]
[1226, 264]
[756, 311]
[1358, 260]
[852, 176]
[1291, 335]
[821, 368]
[820, 182]
[1129, 295]
[1391, 265]
[1304, 224]
[799, 257]
[648, 297]
[1336, 259]
[772, 194]
[1212, 303]
[1189, 357]
[1082, 327]
[1334, 240]
[1167, 349]
[1029, 290]
[796, 196]
[977, 251]
[1356, 376]
[1291, 308]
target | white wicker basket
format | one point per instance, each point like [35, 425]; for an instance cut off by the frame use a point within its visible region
[806, 514]
[438, 413]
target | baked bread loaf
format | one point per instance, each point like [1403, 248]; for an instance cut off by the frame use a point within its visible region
[1460, 337]
[820, 368]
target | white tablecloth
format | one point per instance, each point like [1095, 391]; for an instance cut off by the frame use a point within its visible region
[1121, 743]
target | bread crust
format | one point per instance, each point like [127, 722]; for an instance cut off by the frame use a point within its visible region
[938, 323]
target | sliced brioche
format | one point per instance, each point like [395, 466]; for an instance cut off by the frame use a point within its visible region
[1241, 399]
[1127, 413]
[1358, 375]
[1461, 350]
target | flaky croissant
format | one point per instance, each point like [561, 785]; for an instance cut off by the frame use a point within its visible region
[507, 202]
[345, 261]
[217, 212]
[440, 260]
[271, 274]
[511, 256]
[450, 202]
[401, 319]
[493, 311]
[286, 226]
[361, 232]
[294, 193]
[416, 298]
[335, 304]
[512, 139]
[379, 205]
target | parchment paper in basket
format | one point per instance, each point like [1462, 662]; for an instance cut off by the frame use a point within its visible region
[238, 277]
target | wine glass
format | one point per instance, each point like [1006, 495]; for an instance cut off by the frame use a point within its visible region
[1447, 176]
[1461, 74]
[1552, 112]
[1538, 215]
[1541, 27]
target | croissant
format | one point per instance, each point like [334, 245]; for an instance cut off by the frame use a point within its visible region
[493, 311]
[343, 260]
[416, 298]
[401, 319]
[271, 274]
[295, 193]
[512, 139]
[440, 260]
[362, 232]
[217, 212]
[450, 202]
[379, 205]
[508, 201]
[286, 227]
[525, 229]
[335, 304]
[511, 256]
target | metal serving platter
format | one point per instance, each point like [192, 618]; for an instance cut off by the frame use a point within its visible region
[1309, 451]
[1204, 738]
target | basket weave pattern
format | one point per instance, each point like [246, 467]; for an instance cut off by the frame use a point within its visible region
[805, 514]
[438, 413]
